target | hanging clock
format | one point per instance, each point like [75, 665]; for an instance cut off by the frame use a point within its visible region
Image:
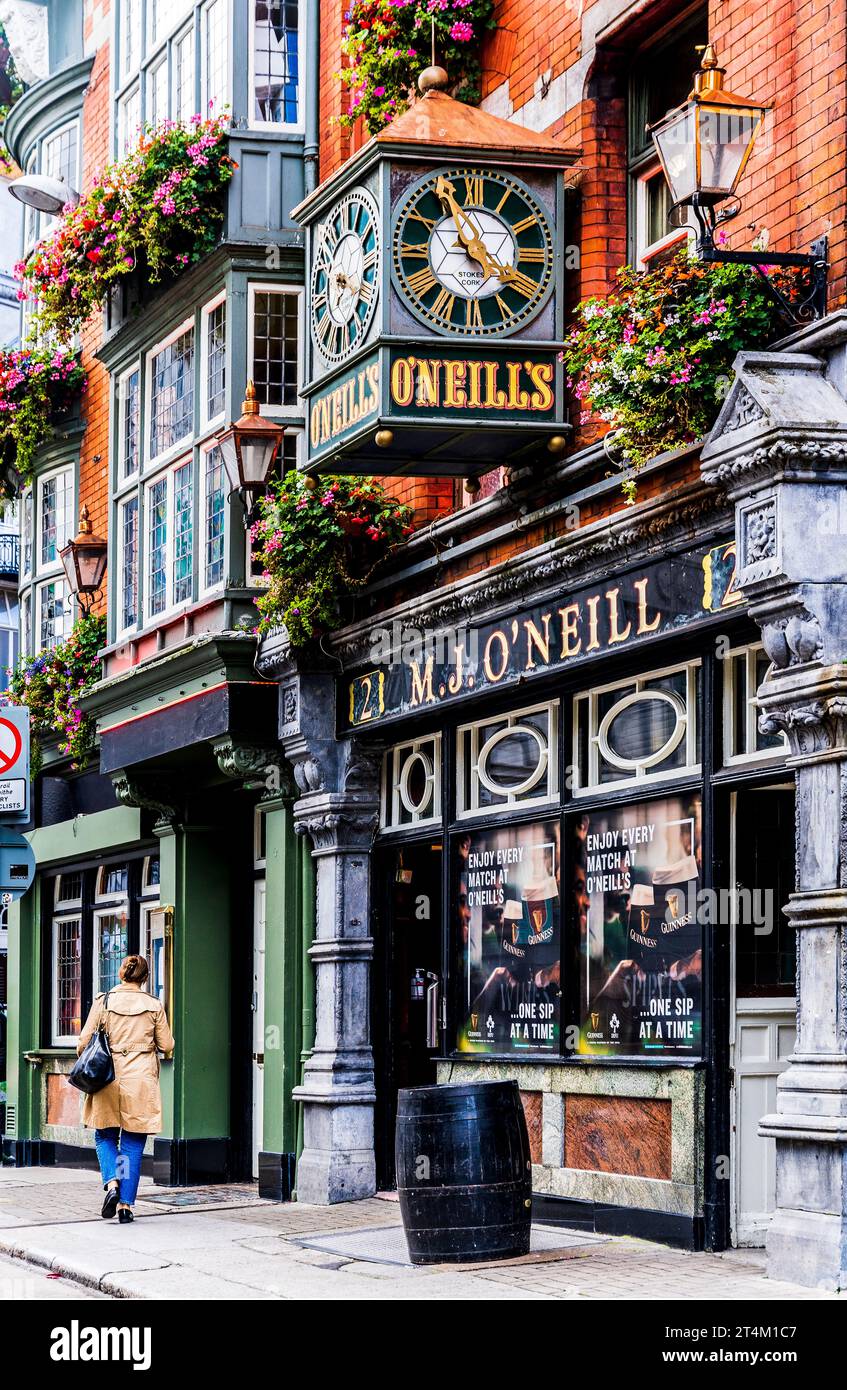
[472, 252]
[345, 276]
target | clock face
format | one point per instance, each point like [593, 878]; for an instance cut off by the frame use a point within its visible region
[345, 275]
[473, 252]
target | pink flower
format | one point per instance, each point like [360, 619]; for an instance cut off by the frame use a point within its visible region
[461, 31]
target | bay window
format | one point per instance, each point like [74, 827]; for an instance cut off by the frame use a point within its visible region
[175, 66]
[169, 520]
[47, 524]
[128, 536]
[214, 359]
[214, 516]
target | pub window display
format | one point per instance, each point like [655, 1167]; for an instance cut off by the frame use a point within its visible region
[635, 874]
[507, 924]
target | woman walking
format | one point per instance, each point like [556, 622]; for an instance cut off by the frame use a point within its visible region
[130, 1107]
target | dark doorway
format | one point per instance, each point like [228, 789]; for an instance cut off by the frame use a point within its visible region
[408, 994]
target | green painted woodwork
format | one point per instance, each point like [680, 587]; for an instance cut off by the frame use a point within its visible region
[194, 872]
[86, 835]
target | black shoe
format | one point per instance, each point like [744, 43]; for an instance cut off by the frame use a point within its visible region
[125, 1215]
[110, 1205]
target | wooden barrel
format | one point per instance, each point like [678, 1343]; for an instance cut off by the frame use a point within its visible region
[464, 1176]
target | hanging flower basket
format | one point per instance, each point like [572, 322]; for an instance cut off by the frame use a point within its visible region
[654, 359]
[318, 546]
[389, 42]
[51, 684]
[159, 210]
[38, 388]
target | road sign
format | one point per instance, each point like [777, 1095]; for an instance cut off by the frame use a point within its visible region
[14, 763]
[17, 865]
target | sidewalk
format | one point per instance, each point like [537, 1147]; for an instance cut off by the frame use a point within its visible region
[227, 1243]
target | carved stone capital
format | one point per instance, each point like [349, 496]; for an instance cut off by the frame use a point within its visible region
[336, 823]
[809, 704]
[148, 791]
[256, 764]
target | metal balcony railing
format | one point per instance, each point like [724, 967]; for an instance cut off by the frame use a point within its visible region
[10, 554]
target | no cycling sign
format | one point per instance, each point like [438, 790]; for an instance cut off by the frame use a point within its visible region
[14, 763]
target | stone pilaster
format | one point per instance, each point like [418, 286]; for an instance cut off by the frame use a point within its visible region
[337, 808]
[779, 447]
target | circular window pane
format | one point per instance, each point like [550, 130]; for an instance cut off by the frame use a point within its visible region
[642, 729]
[513, 761]
[416, 783]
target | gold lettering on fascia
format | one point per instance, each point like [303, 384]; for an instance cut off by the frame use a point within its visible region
[472, 384]
[342, 408]
[521, 645]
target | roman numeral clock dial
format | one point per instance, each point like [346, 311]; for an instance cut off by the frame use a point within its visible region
[345, 276]
[472, 252]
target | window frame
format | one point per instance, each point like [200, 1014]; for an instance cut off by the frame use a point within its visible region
[208, 421]
[393, 771]
[297, 127]
[750, 651]
[297, 410]
[38, 587]
[106, 909]
[204, 588]
[510, 719]
[58, 920]
[152, 462]
[166, 475]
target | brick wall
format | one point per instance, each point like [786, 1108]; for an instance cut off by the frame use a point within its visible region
[94, 454]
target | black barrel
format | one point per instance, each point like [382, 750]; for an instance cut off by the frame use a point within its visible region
[464, 1175]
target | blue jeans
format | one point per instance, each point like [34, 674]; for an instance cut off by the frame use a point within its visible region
[119, 1153]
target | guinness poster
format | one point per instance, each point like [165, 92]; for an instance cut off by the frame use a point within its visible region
[507, 914]
[635, 874]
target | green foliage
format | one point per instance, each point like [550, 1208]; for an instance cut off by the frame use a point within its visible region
[50, 685]
[654, 359]
[316, 545]
[36, 384]
[159, 209]
[389, 43]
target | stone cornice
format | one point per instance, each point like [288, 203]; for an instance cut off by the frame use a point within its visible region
[228, 655]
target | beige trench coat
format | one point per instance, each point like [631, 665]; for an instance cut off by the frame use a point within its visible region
[136, 1025]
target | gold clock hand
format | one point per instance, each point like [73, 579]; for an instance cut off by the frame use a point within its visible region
[445, 191]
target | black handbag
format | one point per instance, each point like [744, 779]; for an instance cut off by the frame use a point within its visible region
[94, 1067]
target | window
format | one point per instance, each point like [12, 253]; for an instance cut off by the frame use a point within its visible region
[66, 1010]
[215, 495]
[214, 72]
[274, 346]
[129, 121]
[55, 514]
[215, 359]
[26, 534]
[276, 62]
[130, 40]
[744, 669]
[185, 104]
[639, 730]
[172, 392]
[26, 624]
[508, 762]
[55, 614]
[412, 784]
[129, 563]
[157, 547]
[157, 93]
[93, 917]
[183, 533]
[660, 79]
[129, 412]
[170, 539]
[111, 944]
[60, 159]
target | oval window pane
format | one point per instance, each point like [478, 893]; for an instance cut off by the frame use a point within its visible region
[642, 730]
[512, 761]
[417, 783]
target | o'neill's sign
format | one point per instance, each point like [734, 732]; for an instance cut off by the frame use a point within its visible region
[413, 671]
[439, 407]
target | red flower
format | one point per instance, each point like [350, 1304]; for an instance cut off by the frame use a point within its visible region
[93, 255]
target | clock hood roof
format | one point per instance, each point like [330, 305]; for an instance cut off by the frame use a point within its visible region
[438, 119]
[441, 128]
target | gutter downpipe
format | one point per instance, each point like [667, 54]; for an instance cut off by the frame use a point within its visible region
[311, 142]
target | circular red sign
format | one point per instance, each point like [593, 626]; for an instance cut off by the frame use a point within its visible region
[7, 759]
